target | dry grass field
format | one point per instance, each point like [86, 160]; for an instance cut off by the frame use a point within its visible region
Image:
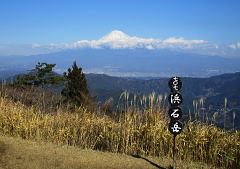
[16, 153]
[142, 132]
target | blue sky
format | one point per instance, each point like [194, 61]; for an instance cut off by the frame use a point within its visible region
[65, 21]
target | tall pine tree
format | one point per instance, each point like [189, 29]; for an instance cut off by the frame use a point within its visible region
[76, 90]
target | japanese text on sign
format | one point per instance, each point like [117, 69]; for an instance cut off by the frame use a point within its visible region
[175, 84]
[175, 113]
[175, 127]
[175, 99]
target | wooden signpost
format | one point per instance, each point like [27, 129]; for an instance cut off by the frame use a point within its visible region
[175, 113]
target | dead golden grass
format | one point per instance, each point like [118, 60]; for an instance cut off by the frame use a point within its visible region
[142, 132]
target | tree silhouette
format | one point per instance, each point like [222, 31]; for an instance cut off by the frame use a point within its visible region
[42, 75]
[76, 89]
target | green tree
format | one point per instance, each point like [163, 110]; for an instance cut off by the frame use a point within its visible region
[76, 89]
[42, 75]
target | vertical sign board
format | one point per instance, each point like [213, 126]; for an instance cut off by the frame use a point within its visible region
[175, 113]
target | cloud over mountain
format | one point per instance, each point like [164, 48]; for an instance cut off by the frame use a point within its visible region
[119, 40]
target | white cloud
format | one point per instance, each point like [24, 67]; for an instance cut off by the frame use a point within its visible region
[235, 46]
[182, 40]
[119, 40]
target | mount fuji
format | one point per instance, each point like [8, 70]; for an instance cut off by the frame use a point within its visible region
[119, 40]
[119, 54]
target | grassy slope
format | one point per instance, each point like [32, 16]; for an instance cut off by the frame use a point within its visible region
[16, 153]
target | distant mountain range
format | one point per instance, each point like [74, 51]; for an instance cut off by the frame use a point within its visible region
[212, 90]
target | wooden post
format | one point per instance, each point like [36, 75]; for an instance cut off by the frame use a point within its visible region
[174, 151]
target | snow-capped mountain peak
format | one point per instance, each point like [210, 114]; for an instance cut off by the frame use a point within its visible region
[115, 35]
